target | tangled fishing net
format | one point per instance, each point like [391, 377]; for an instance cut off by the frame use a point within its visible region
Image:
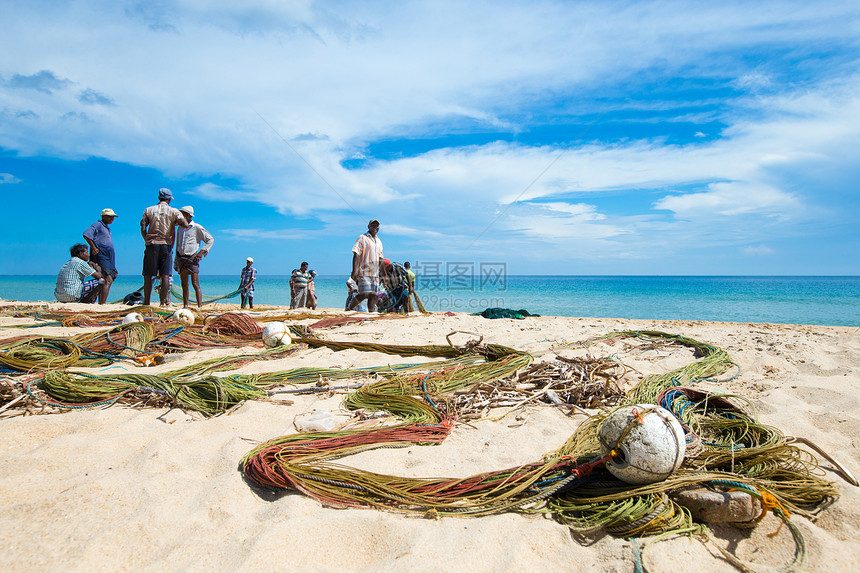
[729, 449]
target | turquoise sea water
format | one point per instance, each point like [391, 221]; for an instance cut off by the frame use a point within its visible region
[787, 300]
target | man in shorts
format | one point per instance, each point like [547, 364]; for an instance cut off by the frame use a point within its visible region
[158, 229]
[366, 260]
[98, 237]
[189, 252]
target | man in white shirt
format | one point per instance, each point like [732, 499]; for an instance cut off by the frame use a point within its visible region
[366, 260]
[189, 252]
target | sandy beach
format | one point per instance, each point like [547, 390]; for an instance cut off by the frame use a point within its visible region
[159, 489]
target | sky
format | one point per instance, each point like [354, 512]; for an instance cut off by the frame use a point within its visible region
[551, 137]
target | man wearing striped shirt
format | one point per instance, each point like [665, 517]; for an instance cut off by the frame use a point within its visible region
[366, 260]
[299, 286]
[246, 282]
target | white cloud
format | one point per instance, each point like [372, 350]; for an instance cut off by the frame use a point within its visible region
[8, 178]
[214, 192]
[256, 235]
[731, 199]
[757, 250]
[182, 86]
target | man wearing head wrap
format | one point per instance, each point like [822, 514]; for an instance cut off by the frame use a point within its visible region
[158, 228]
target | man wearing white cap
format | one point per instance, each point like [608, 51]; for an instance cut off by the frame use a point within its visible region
[102, 253]
[246, 282]
[189, 252]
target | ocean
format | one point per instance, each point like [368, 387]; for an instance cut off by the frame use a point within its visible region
[787, 300]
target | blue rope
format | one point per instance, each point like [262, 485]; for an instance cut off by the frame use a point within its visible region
[734, 447]
[637, 556]
[735, 485]
[168, 336]
[424, 386]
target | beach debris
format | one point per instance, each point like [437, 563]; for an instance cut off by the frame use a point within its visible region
[276, 334]
[316, 421]
[645, 442]
[841, 469]
[569, 383]
[184, 316]
[132, 317]
[150, 359]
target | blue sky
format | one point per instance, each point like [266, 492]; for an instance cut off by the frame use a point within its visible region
[558, 137]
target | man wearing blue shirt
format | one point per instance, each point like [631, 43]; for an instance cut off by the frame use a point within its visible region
[102, 253]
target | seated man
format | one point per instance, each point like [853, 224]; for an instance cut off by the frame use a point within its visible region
[77, 281]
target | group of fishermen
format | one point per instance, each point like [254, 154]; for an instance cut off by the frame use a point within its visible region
[87, 276]
[89, 273]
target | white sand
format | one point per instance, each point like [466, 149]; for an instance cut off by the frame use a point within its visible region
[158, 490]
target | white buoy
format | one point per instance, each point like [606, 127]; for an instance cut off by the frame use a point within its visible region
[276, 334]
[132, 317]
[648, 442]
[184, 316]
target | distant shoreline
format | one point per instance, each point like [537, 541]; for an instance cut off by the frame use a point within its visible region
[825, 300]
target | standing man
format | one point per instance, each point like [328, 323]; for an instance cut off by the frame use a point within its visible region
[299, 286]
[189, 253]
[158, 228]
[366, 260]
[246, 282]
[77, 281]
[102, 253]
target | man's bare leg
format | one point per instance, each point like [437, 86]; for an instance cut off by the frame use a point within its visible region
[105, 287]
[195, 282]
[356, 300]
[147, 290]
[164, 291]
[183, 277]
